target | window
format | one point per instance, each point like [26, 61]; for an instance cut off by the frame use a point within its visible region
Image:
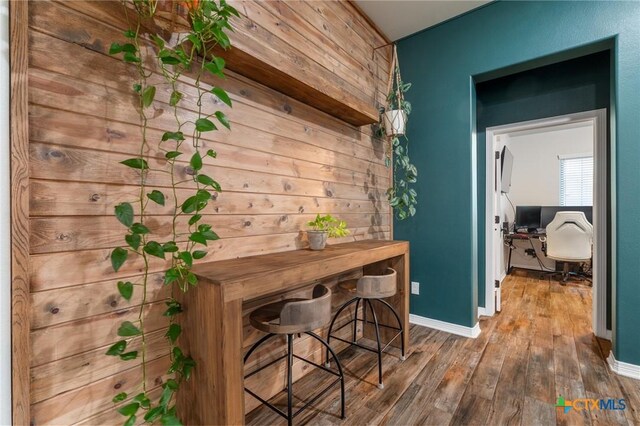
[576, 181]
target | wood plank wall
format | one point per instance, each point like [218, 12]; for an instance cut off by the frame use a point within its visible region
[282, 163]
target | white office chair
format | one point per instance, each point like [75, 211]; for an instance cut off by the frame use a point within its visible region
[569, 239]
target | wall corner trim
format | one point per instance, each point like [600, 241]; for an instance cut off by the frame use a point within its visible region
[623, 368]
[449, 327]
[482, 311]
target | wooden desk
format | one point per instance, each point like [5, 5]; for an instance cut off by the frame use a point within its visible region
[212, 321]
[520, 236]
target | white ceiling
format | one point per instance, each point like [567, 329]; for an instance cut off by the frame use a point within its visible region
[400, 18]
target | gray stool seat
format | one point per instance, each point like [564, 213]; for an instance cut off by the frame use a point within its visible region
[290, 317]
[372, 286]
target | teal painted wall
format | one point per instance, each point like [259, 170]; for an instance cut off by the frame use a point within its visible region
[576, 85]
[441, 63]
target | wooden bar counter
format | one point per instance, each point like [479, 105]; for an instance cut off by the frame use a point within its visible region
[212, 321]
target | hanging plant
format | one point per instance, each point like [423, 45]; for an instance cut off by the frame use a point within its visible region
[402, 197]
[190, 55]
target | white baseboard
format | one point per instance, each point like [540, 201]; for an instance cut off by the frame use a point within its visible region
[449, 327]
[623, 368]
[482, 311]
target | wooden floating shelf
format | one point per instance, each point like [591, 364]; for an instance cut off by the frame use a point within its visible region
[352, 111]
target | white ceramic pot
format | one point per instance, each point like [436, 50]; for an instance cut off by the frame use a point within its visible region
[395, 122]
[317, 239]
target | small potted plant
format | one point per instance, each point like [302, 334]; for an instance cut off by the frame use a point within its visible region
[323, 227]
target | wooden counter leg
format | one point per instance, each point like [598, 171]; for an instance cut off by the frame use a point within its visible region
[400, 301]
[212, 335]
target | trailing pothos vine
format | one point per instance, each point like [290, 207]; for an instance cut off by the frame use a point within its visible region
[191, 54]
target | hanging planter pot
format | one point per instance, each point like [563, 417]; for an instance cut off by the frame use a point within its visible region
[394, 122]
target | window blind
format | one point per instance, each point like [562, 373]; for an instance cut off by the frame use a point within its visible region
[576, 181]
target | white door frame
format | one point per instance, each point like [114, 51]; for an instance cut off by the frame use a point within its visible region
[599, 120]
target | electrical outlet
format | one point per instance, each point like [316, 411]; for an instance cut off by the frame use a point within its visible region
[415, 287]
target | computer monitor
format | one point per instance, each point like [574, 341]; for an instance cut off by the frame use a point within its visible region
[549, 212]
[528, 217]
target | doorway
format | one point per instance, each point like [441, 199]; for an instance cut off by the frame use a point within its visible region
[494, 241]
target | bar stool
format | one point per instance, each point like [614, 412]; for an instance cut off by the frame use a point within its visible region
[290, 317]
[367, 289]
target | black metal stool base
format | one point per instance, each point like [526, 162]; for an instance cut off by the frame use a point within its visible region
[379, 350]
[290, 414]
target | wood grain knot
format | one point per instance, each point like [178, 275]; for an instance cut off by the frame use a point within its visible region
[287, 187]
[54, 310]
[117, 385]
[287, 108]
[94, 197]
[113, 303]
[246, 223]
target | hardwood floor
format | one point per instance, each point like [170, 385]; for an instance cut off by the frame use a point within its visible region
[539, 347]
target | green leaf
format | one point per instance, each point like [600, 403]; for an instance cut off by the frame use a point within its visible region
[131, 421]
[186, 258]
[156, 196]
[138, 228]
[115, 48]
[127, 329]
[172, 154]
[167, 393]
[222, 95]
[171, 383]
[190, 204]
[196, 161]
[175, 98]
[142, 399]
[170, 60]
[170, 247]
[130, 57]
[119, 397]
[171, 275]
[188, 365]
[214, 67]
[153, 414]
[124, 214]
[210, 235]
[126, 289]
[194, 219]
[154, 249]
[211, 153]
[170, 420]
[117, 348]
[203, 195]
[206, 180]
[173, 308]
[176, 136]
[137, 88]
[147, 95]
[199, 254]
[129, 356]
[158, 41]
[129, 33]
[192, 279]
[133, 240]
[129, 409]
[223, 119]
[118, 257]
[174, 332]
[136, 163]
[205, 125]
[128, 47]
[197, 237]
